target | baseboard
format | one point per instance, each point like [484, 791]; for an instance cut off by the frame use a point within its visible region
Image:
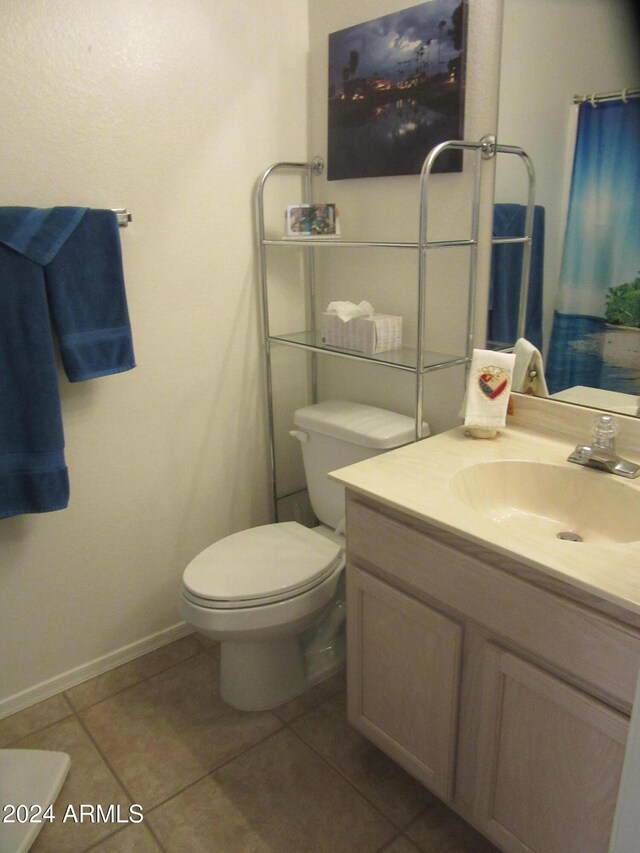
[48, 688]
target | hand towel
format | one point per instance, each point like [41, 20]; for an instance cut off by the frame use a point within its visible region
[528, 373]
[60, 269]
[488, 389]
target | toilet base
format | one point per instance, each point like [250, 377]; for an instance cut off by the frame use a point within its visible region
[262, 675]
[259, 675]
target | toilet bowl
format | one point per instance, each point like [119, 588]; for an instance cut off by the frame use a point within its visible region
[274, 595]
[257, 592]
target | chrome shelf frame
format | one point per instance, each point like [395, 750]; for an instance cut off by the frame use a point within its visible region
[417, 361]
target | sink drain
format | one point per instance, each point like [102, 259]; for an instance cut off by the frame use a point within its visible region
[570, 536]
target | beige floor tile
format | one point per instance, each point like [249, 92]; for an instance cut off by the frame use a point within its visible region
[170, 730]
[133, 839]
[89, 782]
[440, 830]
[311, 698]
[109, 683]
[31, 719]
[397, 794]
[278, 796]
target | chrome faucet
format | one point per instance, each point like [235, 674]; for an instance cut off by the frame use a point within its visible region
[601, 453]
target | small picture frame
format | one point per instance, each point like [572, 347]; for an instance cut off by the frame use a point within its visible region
[312, 221]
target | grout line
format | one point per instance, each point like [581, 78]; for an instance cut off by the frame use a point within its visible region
[141, 680]
[11, 743]
[215, 769]
[120, 782]
[305, 711]
[53, 686]
[282, 726]
[351, 784]
[75, 715]
[104, 758]
[78, 715]
[388, 844]
[66, 699]
[400, 828]
[97, 844]
[73, 711]
[427, 808]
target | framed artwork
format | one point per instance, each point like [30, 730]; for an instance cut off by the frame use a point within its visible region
[396, 89]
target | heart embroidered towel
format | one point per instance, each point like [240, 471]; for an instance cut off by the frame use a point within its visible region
[488, 388]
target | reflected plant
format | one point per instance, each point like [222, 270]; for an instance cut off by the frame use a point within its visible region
[623, 304]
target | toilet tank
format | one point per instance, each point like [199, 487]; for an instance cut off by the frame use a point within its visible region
[336, 433]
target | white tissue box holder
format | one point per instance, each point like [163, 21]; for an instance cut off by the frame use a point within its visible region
[371, 334]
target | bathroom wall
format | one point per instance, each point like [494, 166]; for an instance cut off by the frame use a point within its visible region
[387, 208]
[553, 50]
[171, 110]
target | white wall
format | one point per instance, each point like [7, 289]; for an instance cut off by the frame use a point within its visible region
[172, 110]
[387, 209]
[553, 50]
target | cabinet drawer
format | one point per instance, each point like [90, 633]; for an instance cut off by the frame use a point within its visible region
[404, 662]
[595, 651]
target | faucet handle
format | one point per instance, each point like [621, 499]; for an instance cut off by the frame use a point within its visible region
[605, 429]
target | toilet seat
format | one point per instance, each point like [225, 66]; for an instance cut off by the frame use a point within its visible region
[259, 566]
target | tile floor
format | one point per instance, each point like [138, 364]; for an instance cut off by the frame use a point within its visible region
[210, 779]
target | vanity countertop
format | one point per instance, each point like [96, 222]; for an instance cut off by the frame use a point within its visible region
[417, 480]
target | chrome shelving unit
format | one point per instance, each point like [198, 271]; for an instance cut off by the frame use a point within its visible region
[417, 360]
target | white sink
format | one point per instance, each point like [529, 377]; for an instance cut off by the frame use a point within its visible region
[551, 500]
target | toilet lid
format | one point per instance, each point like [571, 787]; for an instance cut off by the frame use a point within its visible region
[269, 562]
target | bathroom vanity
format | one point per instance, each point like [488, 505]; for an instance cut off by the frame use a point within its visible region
[494, 661]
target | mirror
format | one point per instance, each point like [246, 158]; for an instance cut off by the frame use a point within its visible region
[551, 51]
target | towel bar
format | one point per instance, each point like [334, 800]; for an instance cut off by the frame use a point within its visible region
[123, 216]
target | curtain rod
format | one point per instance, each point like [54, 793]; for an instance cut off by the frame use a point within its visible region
[607, 96]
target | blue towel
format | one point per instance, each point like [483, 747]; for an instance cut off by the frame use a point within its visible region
[60, 270]
[506, 266]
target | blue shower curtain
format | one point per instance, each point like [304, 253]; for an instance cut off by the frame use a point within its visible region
[601, 251]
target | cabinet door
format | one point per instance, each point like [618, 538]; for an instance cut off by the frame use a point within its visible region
[550, 759]
[403, 672]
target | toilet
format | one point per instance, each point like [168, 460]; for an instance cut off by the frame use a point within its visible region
[274, 596]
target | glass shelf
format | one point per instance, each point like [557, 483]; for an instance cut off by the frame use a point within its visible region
[402, 359]
[318, 242]
[499, 346]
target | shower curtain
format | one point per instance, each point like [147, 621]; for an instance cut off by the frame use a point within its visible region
[601, 252]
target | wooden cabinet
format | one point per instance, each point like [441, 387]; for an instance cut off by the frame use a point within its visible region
[405, 684]
[551, 760]
[507, 699]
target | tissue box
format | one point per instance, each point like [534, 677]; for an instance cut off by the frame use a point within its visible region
[372, 334]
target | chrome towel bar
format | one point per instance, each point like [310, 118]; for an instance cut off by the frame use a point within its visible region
[123, 216]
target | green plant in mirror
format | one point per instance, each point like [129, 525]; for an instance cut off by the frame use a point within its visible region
[623, 304]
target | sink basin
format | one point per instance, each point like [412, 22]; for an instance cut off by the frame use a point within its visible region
[580, 505]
